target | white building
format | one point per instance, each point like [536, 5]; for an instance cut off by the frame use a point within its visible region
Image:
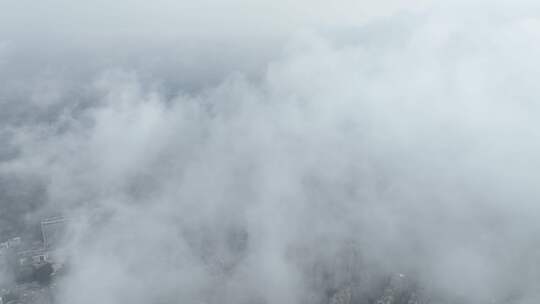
[53, 230]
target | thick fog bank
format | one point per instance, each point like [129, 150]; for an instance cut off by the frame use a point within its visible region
[267, 153]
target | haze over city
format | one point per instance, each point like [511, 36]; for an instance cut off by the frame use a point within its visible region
[265, 152]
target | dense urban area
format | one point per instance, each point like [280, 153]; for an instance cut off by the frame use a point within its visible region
[34, 267]
[31, 266]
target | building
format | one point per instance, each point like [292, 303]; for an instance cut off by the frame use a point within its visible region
[14, 242]
[53, 231]
[35, 255]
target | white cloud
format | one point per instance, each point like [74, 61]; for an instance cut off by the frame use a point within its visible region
[228, 175]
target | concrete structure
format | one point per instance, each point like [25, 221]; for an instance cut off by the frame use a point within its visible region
[14, 242]
[53, 230]
[36, 255]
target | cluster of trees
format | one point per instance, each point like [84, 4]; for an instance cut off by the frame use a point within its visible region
[24, 273]
[40, 273]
